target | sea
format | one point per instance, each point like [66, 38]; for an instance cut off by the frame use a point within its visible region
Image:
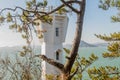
[83, 52]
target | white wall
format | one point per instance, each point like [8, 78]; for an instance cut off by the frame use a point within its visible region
[51, 43]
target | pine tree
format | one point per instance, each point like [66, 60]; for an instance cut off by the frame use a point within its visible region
[114, 44]
[28, 17]
[108, 72]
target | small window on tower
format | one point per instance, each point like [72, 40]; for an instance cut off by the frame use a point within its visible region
[57, 55]
[57, 32]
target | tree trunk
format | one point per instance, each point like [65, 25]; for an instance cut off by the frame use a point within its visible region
[73, 53]
[65, 76]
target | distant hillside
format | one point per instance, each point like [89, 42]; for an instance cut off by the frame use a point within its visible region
[85, 44]
[82, 44]
[101, 44]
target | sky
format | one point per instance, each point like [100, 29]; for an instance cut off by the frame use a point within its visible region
[96, 21]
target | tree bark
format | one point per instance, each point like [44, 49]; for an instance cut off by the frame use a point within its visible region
[73, 53]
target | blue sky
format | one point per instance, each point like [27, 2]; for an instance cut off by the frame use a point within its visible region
[96, 21]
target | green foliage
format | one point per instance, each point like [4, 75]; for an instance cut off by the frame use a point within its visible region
[114, 50]
[25, 51]
[9, 17]
[45, 3]
[115, 19]
[16, 27]
[25, 20]
[62, 10]
[13, 26]
[47, 19]
[52, 77]
[108, 72]
[2, 19]
[114, 46]
[80, 64]
[66, 50]
[40, 35]
[28, 5]
[112, 37]
[21, 68]
[86, 62]
[31, 4]
[104, 73]
[19, 28]
[106, 4]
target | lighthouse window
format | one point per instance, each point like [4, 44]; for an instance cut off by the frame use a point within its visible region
[57, 31]
[57, 55]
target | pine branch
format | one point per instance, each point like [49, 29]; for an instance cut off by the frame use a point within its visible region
[76, 70]
[112, 37]
[52, 62]
[35, 11]
[72, 8]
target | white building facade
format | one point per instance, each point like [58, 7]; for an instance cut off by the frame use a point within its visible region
[51, 44]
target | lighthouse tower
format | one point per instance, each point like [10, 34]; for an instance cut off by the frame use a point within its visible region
[51, 44]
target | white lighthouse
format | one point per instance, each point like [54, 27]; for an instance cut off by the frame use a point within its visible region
[51, 44]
